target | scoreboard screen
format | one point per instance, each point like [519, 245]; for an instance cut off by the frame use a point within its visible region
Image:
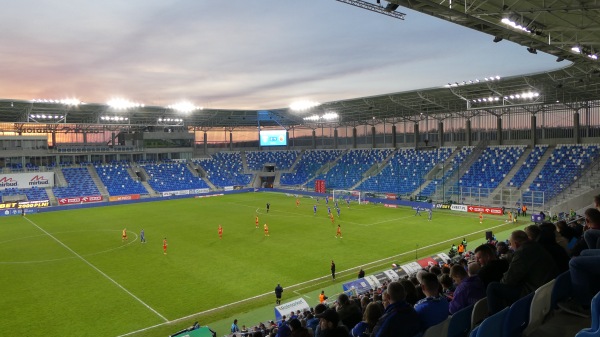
[273, 138]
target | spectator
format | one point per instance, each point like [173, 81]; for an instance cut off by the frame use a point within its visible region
[503, 251]
[592, 234]
[433, 309]
[491, 268]
[297, 329]
[399, 318]
[319, 309]
[361, 273]
[470, 288]
[411, 292]
[234, 326]
[373, 312]
[530, 268]
[566, 237]
[448, 286]
[547, 239]
[350, 314]
[329, 323]
[584, 278]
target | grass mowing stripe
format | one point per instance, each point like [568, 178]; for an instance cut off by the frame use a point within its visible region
[98, 270]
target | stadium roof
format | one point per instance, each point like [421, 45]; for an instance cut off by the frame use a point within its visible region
[569, 30]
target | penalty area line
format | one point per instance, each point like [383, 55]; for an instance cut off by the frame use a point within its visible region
[98, 270]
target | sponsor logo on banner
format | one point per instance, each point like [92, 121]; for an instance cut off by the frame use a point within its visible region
[228, 188]
[390, 205]
[79, 200]
[460, 208]
[210, 195]
[26, 180]
[25, 204]
[485, 210]
[201, 190]
[170, 193]
[392, 275]
[411, 268]
[390, 196]
[124, 197]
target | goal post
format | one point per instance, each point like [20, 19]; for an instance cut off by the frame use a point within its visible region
[348, 195]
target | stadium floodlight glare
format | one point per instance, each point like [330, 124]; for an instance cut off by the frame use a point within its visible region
[330, 116]
[593, 56]
[46, 116]
[170, 120]
[576, 49]
[184, 106]
[66, 101]
[114, 118]
[123, 104]
[515, 25]
[312, 118]
[303, 105]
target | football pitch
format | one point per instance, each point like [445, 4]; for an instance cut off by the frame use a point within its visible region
[69, 273]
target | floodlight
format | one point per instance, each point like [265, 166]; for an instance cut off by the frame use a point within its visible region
[184, 106]
[330, 116]
[122, 104]
[576, 49]
[303, 105]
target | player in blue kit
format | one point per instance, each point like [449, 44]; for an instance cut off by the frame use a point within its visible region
[418, 211]
[336, 204]
[315, 209]
[430, 212]
[142, 237]
[328, 210]
[338, 211]
[326, 200]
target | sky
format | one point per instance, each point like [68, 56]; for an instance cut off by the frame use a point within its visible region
[260, 54]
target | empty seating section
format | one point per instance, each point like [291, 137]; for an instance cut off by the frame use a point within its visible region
[172, 177]
[308, 165]
[32, 194]
[225, 169]
[405, 171]
[349, 169]
[80, 184]
[491, 167]
[283, 160]
[117, 180]
[455, 162]
[565, 165]
[530, 163]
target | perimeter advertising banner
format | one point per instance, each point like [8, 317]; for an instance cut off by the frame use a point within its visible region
[485, 210]
[286, 308]
[79, 200]
[26, 180]
[124, 197]
[24, 204]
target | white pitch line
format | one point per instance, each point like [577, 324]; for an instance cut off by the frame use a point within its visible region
[295, 285]
[99, 271]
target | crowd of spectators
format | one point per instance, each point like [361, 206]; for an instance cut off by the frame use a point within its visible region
[502, 271]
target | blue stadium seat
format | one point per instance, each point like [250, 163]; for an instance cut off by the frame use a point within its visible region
[308, 165]
[283, 160]
[80, 184]
[225, 169]
[172, 176]
[117, 180]
[517, 318]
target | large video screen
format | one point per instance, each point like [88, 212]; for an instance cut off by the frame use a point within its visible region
[273, 138]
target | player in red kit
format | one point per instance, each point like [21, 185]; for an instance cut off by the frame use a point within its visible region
[339, 232]
[256, 221]
[124, 235]
[220, 232]
[480, 217]
[266, 230]
[165, 246]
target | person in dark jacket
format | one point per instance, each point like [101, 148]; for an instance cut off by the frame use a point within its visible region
[399, 318]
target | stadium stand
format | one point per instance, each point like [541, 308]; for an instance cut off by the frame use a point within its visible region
[283, 160]
[172, 176]
[308, 165]
[491, 168]
[405, 171]
[349, 169]
[225, 169]
[117, 180]
[32, 194]
[530, 163]
[80, 184]
[565, 165]
[454, 169]
[310, 162]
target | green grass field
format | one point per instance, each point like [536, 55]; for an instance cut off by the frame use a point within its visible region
[68, 273]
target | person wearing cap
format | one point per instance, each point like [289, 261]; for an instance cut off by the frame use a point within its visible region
[329, 323]
[399, 319]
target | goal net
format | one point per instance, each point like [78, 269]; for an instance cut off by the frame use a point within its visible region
[344, 195]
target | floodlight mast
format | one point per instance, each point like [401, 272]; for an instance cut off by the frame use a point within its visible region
[374, 8]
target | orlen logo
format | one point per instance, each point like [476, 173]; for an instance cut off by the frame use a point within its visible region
[38, 180]
[8, 182]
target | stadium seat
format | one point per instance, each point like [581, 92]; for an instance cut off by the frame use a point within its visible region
[480, 312]
[460, 322]
[594, 330]
[493, 325]
[540, 307]
[438, 330]
[518, 317]
[562, 289]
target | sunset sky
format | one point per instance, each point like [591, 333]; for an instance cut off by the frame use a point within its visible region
[237, 54]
